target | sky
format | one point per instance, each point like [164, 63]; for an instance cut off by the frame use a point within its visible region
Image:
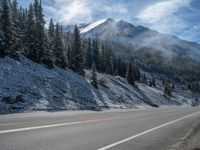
[176, 17]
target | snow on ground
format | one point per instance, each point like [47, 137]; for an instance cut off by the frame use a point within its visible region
[59, 89]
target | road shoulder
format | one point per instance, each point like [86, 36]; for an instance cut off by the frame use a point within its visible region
[191, 140]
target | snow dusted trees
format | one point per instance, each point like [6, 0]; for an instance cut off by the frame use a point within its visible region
[108, 58]
[93, 78]
[130, 74]
[78, 60]
[167, 88]
[9, 38]
[35, 37]
[152, 82]
[58, 48]
[95, 53]
[29, 41]
[89, 58]
[133, 74]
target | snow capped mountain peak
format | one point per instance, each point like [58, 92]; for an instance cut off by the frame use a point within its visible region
[95, 24]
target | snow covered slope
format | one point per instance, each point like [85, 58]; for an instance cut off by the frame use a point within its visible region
[92, 25]
[138, 36]
[59, 89]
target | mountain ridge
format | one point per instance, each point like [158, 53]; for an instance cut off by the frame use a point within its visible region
[126, 33]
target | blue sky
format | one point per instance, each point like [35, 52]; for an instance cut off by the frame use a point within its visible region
[176, 17]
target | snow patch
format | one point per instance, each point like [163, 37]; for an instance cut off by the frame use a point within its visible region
[92, 25]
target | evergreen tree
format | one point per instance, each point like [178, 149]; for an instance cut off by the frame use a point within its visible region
[167, 89]
[58, 49]
[89, 54]
[130, 75]
[95, 52]
[51, 32]
[29, 39]
[103, 58]
[16, 28]
[150, 83]
[93, 78]
[116, 72]
[39, 31]
[22, 20]
[173, 87]
[144, 78]
[137, 73]
[9, 35]
[153, 82]
[108, 61]
[78, 61]
[2, 52]
[69, 56]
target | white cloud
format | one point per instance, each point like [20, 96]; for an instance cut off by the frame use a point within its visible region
[81, 11]
[161, 15]
[67, 11]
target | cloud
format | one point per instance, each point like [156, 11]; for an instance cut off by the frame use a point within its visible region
[162, 15]
[66, 11]
[174, 17]
[81, 11]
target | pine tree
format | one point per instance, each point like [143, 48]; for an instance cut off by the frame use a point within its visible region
[167, 89]
[150, 83]
[78, 61]
[46, 48]
[173, 87]
[137, 73]
[16, 28]
[116, 72]
[69, 55]
[39, 31]
[153, 82]
[95, 52]
[89, 54]
[29, 39]
[9, 37]
[2, 52]
[93, 78]
[109, 61]
[130, 74]
[22, 20]
[58, 49]
[144, 78]
[103, 58]
[51, 35]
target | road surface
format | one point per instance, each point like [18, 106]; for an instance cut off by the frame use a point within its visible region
[144, 129]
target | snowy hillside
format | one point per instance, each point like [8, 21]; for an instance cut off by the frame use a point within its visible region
[138, 36]
[58, 89]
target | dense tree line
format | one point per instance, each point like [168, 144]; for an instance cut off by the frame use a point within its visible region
[23, 32]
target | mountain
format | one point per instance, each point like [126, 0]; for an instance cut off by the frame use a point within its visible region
[138, 37]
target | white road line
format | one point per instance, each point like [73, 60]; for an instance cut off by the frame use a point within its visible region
[145, 132]
[62, 124]
[53, 125]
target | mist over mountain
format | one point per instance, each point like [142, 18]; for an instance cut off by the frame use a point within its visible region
[125, 33]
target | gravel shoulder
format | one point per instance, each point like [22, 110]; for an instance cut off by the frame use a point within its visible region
[192, 140]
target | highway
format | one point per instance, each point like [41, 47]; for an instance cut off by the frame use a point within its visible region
[125, 129]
